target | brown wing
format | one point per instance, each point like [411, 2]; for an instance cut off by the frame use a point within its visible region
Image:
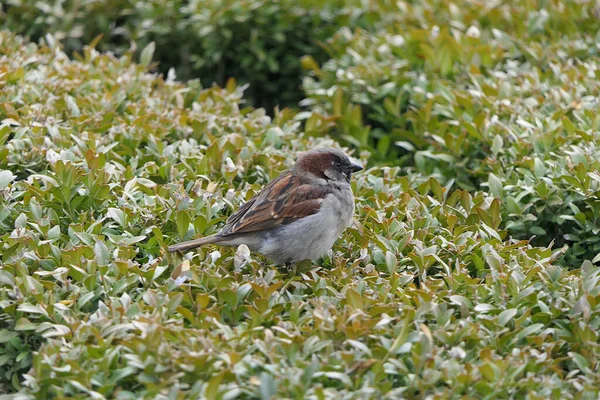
[284, 200]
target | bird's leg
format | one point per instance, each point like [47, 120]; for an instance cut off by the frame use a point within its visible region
[291, 268]
[284, 268]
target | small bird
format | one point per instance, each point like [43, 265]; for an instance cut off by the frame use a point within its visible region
[295, 217]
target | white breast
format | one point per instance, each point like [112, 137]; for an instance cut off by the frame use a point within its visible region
[311, 237]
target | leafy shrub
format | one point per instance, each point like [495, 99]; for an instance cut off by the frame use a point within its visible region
[488, 108]
[256, 42]
[81, 164]
[396, 70]
[103, 165]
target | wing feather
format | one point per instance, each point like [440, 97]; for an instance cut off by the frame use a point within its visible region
[284, 200]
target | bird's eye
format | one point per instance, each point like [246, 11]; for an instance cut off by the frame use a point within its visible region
[337, 164]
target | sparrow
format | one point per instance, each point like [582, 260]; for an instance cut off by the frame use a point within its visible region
[295, 217]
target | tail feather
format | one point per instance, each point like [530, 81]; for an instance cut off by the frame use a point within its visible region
[192, 244]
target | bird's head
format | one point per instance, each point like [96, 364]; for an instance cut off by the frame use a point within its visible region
[327, 163]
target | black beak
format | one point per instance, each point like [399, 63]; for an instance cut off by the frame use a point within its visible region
[354, 167]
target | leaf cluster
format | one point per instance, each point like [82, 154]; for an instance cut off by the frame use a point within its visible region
[471, 93]
[259, 43]
[102, 165]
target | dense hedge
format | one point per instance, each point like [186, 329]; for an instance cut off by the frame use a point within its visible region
[488, 101]
[257, 42]
[103, 165]
[479, 126]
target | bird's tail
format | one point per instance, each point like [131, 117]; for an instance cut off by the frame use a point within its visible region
[192, 244]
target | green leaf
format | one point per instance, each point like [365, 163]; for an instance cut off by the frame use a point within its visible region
[536, 230]
[5, 359]
[23, 324]
[505, 316]
[53, 233]
[580, 361]
[495, 185]
[212, 388]
[268, 386]
[461, 300]
[539, 168]
[391, 261]
[102, 253]
[497, 144]
[147, 54]
[33, 286]
[33, 309]
[6, 335]
[174, 303]
[345, 379]
[6, 177]
[183, 223]
[530, 330]
[354, 299]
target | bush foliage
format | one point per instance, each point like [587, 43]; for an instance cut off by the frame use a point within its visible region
[479, 128]
[259, 43]
[103, 165]
[491, 102]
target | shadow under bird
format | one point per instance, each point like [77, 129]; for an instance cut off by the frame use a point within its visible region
[295, 217]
